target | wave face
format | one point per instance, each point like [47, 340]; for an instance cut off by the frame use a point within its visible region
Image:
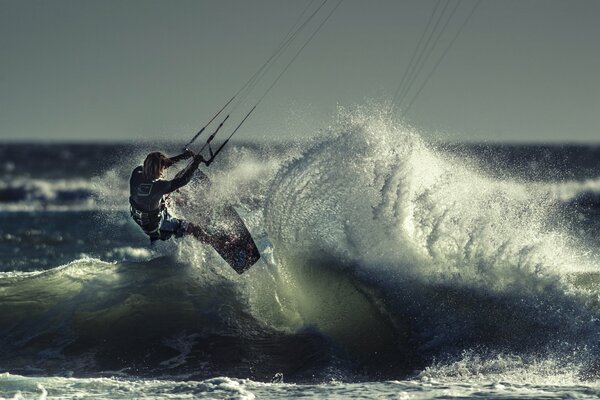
[160, 317]
[384, 256]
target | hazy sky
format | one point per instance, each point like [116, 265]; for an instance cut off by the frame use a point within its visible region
[521, 70]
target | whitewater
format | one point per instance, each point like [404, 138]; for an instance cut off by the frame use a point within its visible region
[392, 267]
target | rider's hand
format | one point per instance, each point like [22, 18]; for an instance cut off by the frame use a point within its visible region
[198, 157]
[188, 153]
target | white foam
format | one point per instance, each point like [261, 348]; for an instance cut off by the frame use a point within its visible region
[129, 253]
[503, 368]
[376, 192]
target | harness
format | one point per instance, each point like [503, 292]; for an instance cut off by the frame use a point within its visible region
[149, 221]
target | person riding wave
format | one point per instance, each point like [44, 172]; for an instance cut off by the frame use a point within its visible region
[148, 193]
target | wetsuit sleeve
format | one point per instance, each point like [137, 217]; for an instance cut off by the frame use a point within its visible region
[182, 180]
[183, 156]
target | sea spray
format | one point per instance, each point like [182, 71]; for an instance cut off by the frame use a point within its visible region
[451, 258]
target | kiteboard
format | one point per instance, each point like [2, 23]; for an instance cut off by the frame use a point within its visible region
[234, 242]
[230, 238]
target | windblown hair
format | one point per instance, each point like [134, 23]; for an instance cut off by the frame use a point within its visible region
[154, 164]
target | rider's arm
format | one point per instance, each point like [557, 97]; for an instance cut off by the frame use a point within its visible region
[183, 156]
[182, 180]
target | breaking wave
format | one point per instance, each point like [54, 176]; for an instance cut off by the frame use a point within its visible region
[455, 260]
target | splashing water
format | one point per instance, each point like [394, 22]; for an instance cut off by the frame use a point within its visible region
[452, 259]
[384, 257]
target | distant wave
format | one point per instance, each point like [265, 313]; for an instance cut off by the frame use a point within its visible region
[76, 194]
[39, 193]
[585, 194]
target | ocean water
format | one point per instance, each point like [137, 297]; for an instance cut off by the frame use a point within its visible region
[393, 267]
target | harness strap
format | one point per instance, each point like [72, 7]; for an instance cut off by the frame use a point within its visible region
[149, 221]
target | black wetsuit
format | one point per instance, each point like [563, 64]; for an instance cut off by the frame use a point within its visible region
[147, 197]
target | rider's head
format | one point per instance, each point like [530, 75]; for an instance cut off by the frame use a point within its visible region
[154, 165]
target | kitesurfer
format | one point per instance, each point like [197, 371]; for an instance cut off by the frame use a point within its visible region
[148, 193]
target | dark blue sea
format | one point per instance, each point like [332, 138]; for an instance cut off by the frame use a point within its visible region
[393, 266]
